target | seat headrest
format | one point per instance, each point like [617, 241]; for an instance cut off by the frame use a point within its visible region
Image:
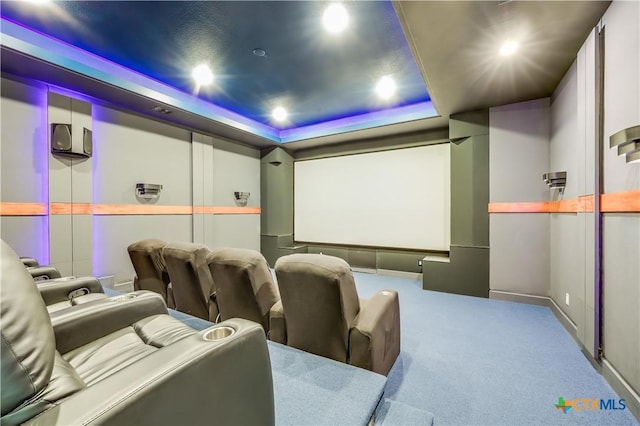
[28, 343]
[145, 254]
[322, 265]
[185, 251]
[236, 255]
[148, 245]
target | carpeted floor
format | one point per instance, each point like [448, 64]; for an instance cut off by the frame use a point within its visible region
[475, 361]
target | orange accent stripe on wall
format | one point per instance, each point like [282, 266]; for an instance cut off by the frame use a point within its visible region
[528, 207]
[236, 210]
[134, 209]
[23, 209]
[563, 206]
[60, 208]
[620, 202]
[203, 209]
[586, 203]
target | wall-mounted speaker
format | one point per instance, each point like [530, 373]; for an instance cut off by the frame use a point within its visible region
[63, 143]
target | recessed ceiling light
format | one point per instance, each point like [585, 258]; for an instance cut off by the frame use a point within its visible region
[335, 18]
[386, 87]
[202, 75]
[279, 114]
[259, 52]
[509, 48]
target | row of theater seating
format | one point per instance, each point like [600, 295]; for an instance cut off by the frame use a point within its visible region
[123, 360]
[314, 306]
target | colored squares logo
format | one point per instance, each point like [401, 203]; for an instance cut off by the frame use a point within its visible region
[563, 405]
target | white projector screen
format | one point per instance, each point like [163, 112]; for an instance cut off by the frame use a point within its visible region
[397, 199]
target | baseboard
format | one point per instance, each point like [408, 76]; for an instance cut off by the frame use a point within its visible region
[622, 387]
[125, 287]
[363, 270]
[400, 274]
[519, 298]
[564, 319]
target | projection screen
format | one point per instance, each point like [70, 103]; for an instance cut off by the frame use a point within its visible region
[396, 199]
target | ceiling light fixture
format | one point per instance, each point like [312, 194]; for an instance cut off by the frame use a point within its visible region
[509, 48]
[386, 87]
[202, 75]
[279, 114]
[335, 18]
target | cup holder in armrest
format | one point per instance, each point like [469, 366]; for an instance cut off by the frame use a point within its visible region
[124, 297]
[219, 333]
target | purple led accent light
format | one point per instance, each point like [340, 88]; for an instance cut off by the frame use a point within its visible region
[362, 121]
[42, 164]
[43, 47]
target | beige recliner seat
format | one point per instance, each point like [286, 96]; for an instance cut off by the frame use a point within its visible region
[124, 362]
[194, 292]
[321, 313]
[151, 270]
[244, 285]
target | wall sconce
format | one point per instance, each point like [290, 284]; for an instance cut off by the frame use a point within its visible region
[148, 191]
[556, 180]
[628, 143]
[241, 198]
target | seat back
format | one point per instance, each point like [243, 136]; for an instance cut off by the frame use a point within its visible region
[151, 270]
[320, 302]
[193, 289]
[28, 343]
[244, 285]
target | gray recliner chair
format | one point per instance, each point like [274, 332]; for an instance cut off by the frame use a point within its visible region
[151, 270]
[321, 313]
[62, 292]
[194, 292]
[244, 285]
[124, 362]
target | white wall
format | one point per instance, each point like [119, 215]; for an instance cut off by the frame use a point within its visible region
[518, 157]
[128, 149]
[24, 166]
[621, 231]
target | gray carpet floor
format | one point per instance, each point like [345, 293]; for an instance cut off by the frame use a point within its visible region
[475, 361]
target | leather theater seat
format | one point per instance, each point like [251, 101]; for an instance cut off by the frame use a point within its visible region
[194, 292]
[321, 313]
[62, 292]
[244, 285]
[151, 270]
[124, 362]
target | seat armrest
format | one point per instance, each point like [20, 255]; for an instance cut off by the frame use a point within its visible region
[90, 321]
[374, 339]
[43, 273]
[191, 382]
[277, 324]
[61, 289]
